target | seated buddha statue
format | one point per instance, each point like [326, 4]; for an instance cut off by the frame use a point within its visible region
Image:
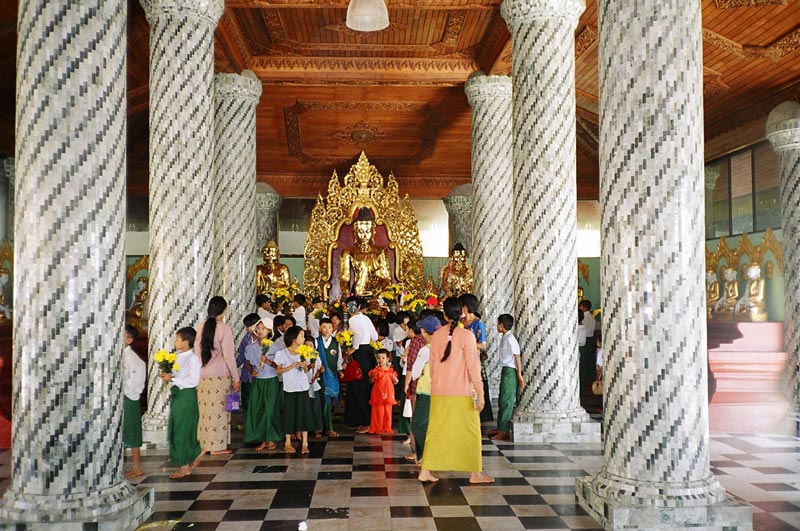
[751, 306]
[724, 307]
[457, 274]
[712, 291]
[272, 274]
[137, 313]
[364, 268]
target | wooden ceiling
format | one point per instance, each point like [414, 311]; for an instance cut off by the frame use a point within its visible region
[398, 94]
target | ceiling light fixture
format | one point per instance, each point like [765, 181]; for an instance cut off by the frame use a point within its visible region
[367, 15]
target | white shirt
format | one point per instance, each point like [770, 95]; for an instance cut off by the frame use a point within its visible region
[363, 330]
[588, 323]
[134, 371]
[339, 357]
[599, 359]
[317, 366]
[509, 347]
[188, 373]
[266, 316]
[581, 335]
[423, 357]
[299, 315]
[313, 325]
[388, 344]
[295, 379]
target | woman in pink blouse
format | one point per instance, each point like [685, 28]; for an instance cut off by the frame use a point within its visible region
[214, 345]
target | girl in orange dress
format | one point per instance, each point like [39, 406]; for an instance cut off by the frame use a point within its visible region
[383, 379]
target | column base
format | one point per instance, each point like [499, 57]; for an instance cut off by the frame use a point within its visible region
[566, 427]
[118, 508]
[615, 514]
[154, 432]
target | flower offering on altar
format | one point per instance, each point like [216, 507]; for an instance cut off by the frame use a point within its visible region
[319, 313]
[166, 361]
[392, 293]
[281, 295]
[345, 339]
[414, 305]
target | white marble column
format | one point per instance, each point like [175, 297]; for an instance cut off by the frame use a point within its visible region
[235, 100]
[268, 202]
[545, 219]
[492, 183]
[181, 217]
[656, 472]
[66, 458]
[783, 130]
[459, 216]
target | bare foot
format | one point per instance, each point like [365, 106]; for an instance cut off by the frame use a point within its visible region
[134, 474]
[426, 477]
[261, 447]
[332, 435]
[411, 457]
[492, 433]
[304, 450]
[480, 478]
[363, 429]
[226, 451]
[500, 436]
[407, 442]
[288, 448]
[182, 472]
[318, 435]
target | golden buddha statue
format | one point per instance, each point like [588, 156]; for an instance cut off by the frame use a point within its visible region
[751, 306]
[723, 309]
[712, 292]
[272, 274]
[364, 268]
[137, 313]
[457, 274]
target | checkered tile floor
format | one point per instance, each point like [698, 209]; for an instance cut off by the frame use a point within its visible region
[361, 482]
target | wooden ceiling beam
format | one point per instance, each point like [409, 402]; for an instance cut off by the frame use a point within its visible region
[391, 4]
[232, 42]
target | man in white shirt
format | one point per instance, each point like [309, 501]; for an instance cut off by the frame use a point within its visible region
[262, 301]
[510, 376]
[363, 330]
[588, 350]
[299, 310]
[134, 372]
[313, 322]
[357, 410]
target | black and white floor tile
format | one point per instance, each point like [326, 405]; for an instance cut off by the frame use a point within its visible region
[361, 482]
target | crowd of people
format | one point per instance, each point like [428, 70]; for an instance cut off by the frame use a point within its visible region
[294, 371]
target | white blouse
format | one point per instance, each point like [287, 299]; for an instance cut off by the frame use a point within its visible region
[296, 379]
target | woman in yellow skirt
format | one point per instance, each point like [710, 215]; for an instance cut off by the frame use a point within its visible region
[453, 441]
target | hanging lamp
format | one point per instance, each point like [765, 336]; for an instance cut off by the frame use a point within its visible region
[367, 15]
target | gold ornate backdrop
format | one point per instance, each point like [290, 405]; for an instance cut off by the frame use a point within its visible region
[363, 186]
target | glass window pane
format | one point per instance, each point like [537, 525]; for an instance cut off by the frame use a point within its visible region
[742, 192]
[717, 200]
[768, 201]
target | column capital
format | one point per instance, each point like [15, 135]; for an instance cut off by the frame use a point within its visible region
[268, 200]
[458, 203]
[480, 87]
[209, 10]
[517, 12]
[783, 126]
[245, 86]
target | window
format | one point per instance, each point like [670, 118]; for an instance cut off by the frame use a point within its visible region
[742, 192]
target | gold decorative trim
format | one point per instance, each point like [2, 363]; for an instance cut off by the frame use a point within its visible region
[713, 84]
[583, 270]
[7, 253]
[734, 4]
[775, 51]
[363, 187]
[143, 263]
[585, 39]
[755, 253]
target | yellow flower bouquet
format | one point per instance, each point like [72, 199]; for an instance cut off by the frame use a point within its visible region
[375, 345]
[265, 344]
[414, 306]
[166, 361]
[345, 339]
[282, 295]
[307, 354]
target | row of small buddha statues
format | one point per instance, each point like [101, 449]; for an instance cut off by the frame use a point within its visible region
[727, 305]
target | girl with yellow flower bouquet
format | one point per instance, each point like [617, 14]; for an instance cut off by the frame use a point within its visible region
[263, 422]
[184, 415]
[297, 413]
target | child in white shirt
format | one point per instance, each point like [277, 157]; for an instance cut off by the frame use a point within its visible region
[134, 372]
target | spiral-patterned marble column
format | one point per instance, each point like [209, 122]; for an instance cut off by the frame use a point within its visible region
[181, 217]
[66, 462]
[545, 219]
[459, 217]
[783, 130]
[656, 447]
[235, 100]
[492, 182]
[268, 202]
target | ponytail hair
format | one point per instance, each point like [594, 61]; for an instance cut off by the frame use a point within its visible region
[452, 311]
[216, 306]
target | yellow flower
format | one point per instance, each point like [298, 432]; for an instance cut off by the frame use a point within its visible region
[160, 355]
[266, 342]
[375, 345]
[172, 357]
[175, 367]
[304, 351]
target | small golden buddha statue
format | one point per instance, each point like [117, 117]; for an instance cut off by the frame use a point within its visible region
[712, 292]
[723, 310]
[364, 268]
[5, 311]
[457, 274]
[272, 274]
[580, 294]
[137, 313]
[751, 306]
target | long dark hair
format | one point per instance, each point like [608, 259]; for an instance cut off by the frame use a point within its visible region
[291, 334]
[452, 310]
[216, 306]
